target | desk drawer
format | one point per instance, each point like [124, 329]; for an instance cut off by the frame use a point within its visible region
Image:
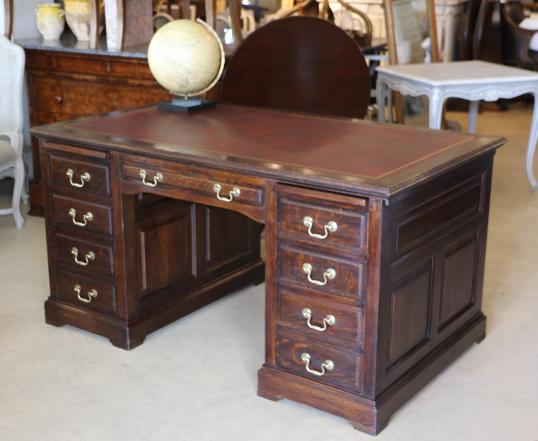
[323, 219]
[84, 255]
[79, 175]
[214, 187]
[317, 316]
[87, 292]
[319, 362]
[85, 216]
[320, 272]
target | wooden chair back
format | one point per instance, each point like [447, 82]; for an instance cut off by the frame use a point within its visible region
[486, 42]
[515, 41]
[302, 64]
[466, 37]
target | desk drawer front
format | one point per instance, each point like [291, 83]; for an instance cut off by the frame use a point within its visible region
[232, 190]
[319, 362]
[87, 292]
[320, 272]
[84, 255]
[85, 216]
[322, 225]
[316, 316]
[79, 175]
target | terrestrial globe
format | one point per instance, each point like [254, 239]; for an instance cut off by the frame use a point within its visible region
[186, 57]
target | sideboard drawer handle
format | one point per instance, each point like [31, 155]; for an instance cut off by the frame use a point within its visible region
[328, 320]
[329, 274]
[88, 217]
[330, 227]
[88, 257]
[156, 179]
[235, 192]
[88, 298]
[327, 365]
[84, 177]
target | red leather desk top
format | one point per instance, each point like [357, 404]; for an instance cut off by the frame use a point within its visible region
[327, 148]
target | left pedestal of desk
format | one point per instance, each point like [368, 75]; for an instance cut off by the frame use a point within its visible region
[123, 266]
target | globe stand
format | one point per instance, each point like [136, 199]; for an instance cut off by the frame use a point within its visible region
[186, 105]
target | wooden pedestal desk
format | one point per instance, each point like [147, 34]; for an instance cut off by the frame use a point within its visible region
[375, 241]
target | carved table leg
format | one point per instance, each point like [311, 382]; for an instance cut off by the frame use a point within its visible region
[436, 109]
[473, 111]
[380, 98]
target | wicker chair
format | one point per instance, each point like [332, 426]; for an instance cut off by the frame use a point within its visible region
[11, 122]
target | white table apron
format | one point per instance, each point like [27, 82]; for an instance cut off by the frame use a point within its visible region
[437, 94]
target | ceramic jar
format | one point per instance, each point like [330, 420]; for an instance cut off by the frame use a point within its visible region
[78, 17]
[50, 20]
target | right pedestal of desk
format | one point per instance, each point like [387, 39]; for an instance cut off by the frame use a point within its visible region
[367, 300]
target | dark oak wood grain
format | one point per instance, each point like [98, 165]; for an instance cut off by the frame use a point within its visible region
[408, 249]
[348, 281]
[347, 331]
[98, 182]
[346, 373]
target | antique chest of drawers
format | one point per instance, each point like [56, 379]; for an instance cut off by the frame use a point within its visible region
[375, 241]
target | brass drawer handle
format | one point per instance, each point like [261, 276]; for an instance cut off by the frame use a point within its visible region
[330, 227]
[328, 320]
[90, 295]
[88, 257]
[156, 179]
[84, 177]
[235, 192]
[327, 365]
[88, 217]
[329, 274]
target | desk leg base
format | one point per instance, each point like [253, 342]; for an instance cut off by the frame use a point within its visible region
[276, 384]
[366, 415]
[128, 334]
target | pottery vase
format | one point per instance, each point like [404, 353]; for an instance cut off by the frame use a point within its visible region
[50, 20]
[78, 17]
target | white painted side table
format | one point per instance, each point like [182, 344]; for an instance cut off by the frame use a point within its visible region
[469, 80]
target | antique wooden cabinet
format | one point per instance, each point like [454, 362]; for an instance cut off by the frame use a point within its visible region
[375, 241]
[68, 80]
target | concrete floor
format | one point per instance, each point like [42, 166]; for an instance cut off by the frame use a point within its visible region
[195, 380]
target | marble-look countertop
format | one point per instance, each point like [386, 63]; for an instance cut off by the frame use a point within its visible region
[68, 43]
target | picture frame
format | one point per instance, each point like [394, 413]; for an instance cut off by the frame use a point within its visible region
[401, 23]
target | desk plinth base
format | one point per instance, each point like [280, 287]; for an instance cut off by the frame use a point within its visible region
[127, 334]
[370, 416]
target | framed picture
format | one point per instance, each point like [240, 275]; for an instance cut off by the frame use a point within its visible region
[411, 37]
[409, 24]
